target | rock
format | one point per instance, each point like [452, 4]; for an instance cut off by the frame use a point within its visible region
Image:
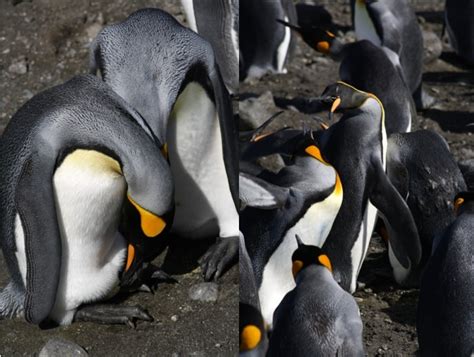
[206, 292]
[174, 318]
[58, 347]
[432, 46]
[255, 111]
[19, 66]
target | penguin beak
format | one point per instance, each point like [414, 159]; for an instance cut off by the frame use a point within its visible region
[151, 224]
[334, 106]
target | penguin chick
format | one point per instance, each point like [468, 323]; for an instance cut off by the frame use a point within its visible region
[445, 317]
[316, 318]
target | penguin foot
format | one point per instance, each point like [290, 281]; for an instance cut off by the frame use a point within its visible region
[146, 279]
[112, 314]
[219, 257]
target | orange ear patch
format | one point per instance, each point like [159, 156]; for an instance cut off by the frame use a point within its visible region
[151, 224]
[323, 46]
[130, 256]
[314, 151]
[458, 203]
[324, 260]
[250, 338]
[297, 265]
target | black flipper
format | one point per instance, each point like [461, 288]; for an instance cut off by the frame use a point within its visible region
[255, 192]
[36, 207]
[403, 234]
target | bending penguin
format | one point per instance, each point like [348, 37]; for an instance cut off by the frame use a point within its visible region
[168, 73]
[366, 67]
[393, 25]
[316, 318]
[72, 158]
[445, 317]
[218, 22]
[302, 198]
[264, 45]
[458, 15]
[356, 146]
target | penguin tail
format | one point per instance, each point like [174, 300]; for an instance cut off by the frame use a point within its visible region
[11, 301]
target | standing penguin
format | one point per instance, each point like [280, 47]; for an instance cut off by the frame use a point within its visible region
[424, 172]
[264, 44]
[367, 67]
[316, 318]
[218, 22]
[303, 198]
[169, 75]
[356, 146]
[445, 318]
[252, 334]
[458, 17]
[393, 25]
[70, 160]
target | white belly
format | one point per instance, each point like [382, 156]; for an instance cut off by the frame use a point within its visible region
[364, 27]
[203, 201]
[313, 229]
[89, 193]
[282, 50]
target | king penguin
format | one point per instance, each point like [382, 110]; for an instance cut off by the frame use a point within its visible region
[316, 318]
[253, 337]
[367, 67]
[302, 198]
[168, 73]
[356, 146]
[264, 44]
[458, 18]
[424, 172]
[393, 25]
[70, 160]
[445, 317]
[218, 22]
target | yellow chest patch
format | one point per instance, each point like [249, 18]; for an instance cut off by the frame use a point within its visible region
[93, 160]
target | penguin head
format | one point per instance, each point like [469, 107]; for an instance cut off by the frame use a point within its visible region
[343, 96]
[320, 40]
[464, 201]
[252, 334]
[306, 255]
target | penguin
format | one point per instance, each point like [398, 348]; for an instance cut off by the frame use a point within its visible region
[302, 198]
[423, 170]
[445, 316]
[393, 25]
[71, 159]
[218, 23]
[253, 338]
[366, 67]
[356, 146]
[458, 15]
[316, 318]
[169, 75]
[264, 45]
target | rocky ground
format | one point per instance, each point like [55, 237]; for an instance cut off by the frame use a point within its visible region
[44, 43]
[388, 312]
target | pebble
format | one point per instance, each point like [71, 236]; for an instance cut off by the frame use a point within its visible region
[255, 111]
[206, 292]
[58, 347]
[19, 66]
[174, 318]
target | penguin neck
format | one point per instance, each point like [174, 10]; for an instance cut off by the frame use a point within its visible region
[312, 273]
[364, 26]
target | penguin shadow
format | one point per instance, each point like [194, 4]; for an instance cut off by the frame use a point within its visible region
[454, 121]
[453, 59]
[463, 78]
[403, 307]
[302, 104]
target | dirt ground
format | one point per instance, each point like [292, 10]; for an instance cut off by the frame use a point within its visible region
[44, 43]
[388, 312]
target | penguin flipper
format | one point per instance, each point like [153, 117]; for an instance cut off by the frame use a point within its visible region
[255, 192]
[403, 234]
[36, 207]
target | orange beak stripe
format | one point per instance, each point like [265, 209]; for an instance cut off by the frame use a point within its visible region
[335, 104]
[458, 203]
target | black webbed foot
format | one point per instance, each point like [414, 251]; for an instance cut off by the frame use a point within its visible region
[145, 279]
[112, 314]
[219, 257]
